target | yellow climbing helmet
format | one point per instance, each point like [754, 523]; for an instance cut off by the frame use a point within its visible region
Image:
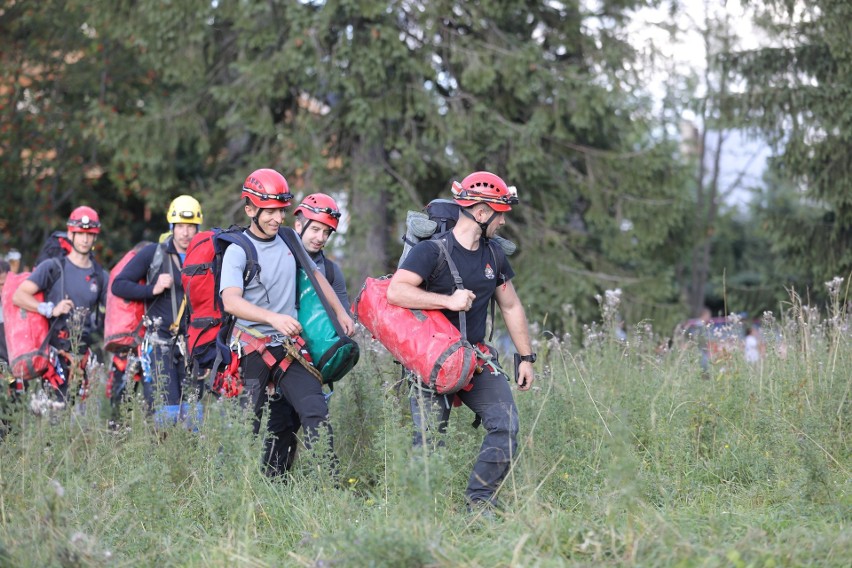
[184, 209]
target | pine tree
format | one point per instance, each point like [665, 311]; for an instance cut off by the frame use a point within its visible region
[797, 94]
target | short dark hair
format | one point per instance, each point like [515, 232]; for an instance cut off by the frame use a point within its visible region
[4, 267]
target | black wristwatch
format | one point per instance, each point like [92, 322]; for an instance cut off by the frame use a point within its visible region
[529, 358]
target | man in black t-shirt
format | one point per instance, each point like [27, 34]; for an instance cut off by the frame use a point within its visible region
[424, 282]
[153, 277]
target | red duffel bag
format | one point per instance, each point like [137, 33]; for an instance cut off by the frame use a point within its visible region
[26, 333]
[123, 327]
[424, 341]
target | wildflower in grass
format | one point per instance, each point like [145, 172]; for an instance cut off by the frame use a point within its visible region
[609, 304]
[41, 404]
[834, 286]
[57, 487]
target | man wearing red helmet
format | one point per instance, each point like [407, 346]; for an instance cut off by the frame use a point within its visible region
[74, 289]
[424, 282]
[268, 328]
[316, 218]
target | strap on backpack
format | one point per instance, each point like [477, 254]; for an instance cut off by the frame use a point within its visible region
[457, 281]
[445, 247]
[294, 243]
[329, 270]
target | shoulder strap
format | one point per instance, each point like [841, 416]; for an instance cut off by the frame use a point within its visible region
[235, 236]
[443, 254]
[99, 278]
[329, 270]
[161, 255]
[493, 302]
[99, 275]
[57, 263]
[294, 243]
[157, 261]
[444, 250]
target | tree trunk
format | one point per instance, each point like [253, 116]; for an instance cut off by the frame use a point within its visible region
[367, 237]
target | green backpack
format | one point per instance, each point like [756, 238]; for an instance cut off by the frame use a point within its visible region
[332, 351]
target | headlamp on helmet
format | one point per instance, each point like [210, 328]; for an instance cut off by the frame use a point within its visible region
[485, 187]
[185, 209]
[320, 207]
[84, 219]
[267, 189]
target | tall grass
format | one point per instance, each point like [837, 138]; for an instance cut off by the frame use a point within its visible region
[627, 457]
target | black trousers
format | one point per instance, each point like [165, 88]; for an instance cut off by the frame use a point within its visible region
[298, 401]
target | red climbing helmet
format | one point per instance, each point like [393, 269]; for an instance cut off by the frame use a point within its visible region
[267, 189]
[84, 219]
[485, 187]
[320, 207]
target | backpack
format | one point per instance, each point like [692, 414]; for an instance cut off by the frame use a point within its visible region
[28, 333]
[123, 327]
[333, 353]
[210, 327]
[56, 245]
[423, 341]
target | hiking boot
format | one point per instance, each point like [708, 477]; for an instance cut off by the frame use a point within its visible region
[482, 510]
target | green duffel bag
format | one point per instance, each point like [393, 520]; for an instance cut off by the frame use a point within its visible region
[333, 352]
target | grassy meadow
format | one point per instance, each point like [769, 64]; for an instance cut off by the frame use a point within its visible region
[628, 457]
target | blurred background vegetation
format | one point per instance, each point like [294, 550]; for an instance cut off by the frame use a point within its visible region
[124, 105]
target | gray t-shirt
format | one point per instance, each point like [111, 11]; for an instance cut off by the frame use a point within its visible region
[274, 290]
[61, 278]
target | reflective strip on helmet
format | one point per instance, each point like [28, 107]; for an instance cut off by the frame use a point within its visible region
[472, 195]
[84, 223]
[333, 213]
[268, 196]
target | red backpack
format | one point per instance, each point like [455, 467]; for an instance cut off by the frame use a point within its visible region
[123, 327]
[26, 333]
[210, 326]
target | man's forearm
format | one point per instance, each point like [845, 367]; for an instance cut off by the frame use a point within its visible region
[519, 331]
[415, 298]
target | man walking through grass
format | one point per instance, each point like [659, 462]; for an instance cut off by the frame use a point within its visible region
[74, 287]
[272, 364]
[486, 273]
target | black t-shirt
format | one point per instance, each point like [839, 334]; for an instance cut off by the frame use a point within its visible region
[481, 270]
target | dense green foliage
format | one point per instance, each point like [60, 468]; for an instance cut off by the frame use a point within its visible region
[627, 457]
[124, 105]
[796, 93]
[382, 103]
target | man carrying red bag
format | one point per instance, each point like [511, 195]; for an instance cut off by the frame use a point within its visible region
[425, 281]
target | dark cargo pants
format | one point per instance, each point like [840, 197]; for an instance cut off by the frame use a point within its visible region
[299, 402]
[491, 399]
